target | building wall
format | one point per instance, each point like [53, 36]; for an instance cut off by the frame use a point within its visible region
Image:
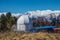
[21, 27]
[26, 23]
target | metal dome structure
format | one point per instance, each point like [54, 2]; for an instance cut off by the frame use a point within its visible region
[24, 23]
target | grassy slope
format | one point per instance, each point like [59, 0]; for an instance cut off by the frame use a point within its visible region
[11, 35]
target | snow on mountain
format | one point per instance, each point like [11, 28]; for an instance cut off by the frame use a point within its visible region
[17, 15]
[38, 13]
[46, 13]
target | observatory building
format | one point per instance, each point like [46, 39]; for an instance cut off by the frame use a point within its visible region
[24, 23]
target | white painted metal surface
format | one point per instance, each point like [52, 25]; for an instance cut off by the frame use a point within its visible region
[24, 23]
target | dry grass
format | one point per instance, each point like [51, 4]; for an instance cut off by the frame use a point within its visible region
[11, 35]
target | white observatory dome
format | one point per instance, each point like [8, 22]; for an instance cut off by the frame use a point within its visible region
[23, 19]
[23, 23]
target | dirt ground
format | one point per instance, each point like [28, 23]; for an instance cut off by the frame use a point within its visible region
[11, 35]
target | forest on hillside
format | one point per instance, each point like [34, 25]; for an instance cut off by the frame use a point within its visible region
[40, 22]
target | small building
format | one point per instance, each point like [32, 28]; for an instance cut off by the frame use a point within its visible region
[24, 23]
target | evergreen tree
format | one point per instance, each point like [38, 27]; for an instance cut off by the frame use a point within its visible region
[7, 21]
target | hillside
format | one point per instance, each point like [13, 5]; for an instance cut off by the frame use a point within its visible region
[11, 35]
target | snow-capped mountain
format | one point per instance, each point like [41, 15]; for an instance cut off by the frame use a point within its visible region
[48, 14]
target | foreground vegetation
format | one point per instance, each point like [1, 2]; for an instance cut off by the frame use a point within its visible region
[7, 21]
[11, 35]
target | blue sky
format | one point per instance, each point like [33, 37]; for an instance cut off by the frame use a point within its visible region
[28, 5]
